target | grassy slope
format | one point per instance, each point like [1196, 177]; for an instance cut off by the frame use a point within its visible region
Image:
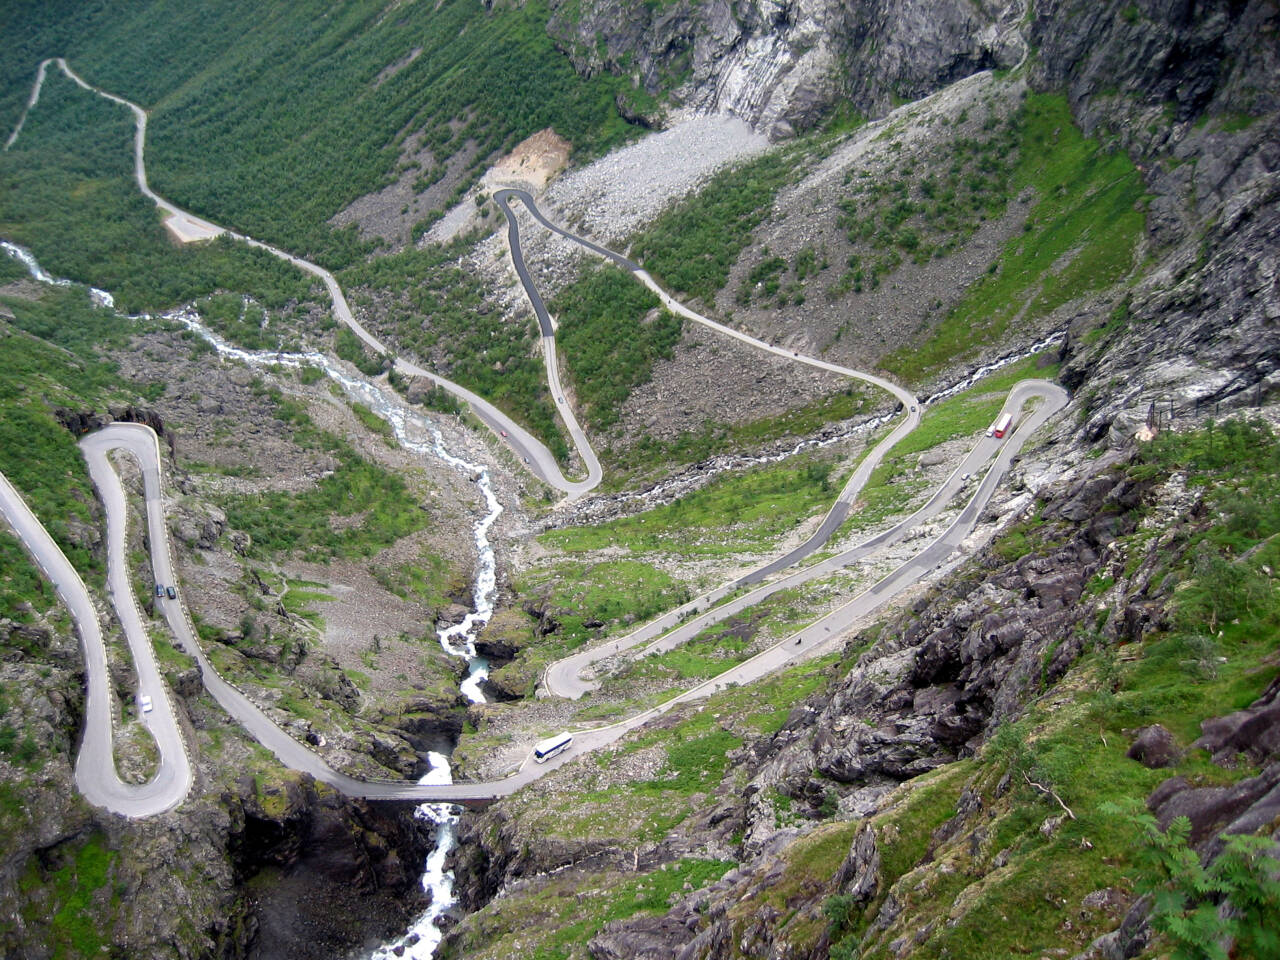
[372, 506]
[691, 248]
[734, 514]
[267, 118]
[1080, 237]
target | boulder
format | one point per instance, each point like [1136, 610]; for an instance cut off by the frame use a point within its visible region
[1253, 731]
[1155, 747]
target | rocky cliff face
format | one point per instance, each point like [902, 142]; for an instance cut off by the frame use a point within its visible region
[782, 65]
[1190, 90]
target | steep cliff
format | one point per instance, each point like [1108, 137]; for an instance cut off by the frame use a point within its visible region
[781, 66]
[263, 865]
[1190, 90]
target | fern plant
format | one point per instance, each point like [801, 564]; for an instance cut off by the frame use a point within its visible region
[1206, 910]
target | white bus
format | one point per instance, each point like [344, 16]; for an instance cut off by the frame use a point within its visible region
[544, 750]
[1001, 426]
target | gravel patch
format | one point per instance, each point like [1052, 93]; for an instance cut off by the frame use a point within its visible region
[620, 193]
[613, 197]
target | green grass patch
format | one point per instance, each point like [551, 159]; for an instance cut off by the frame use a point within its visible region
[734, 514]
[71, 901]
[725, 644]
[692, 247]
[639, 455]
[429, 579]
[354, 511]
[1081, 236]
[371, 421]
[610, 591]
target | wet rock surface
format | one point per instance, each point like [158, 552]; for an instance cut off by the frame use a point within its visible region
[333, 873]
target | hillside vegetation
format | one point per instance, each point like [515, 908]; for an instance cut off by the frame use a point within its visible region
[71, 198]
[272, 119]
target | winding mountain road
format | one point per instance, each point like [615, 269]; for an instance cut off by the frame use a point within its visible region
[95, 772]
[564, 678]
[96, 776]
[541, 462]
[839, 510]
[102, 786]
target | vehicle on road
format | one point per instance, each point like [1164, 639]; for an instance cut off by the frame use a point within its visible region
[144, 703]
[159, 589]
[544, 750]
[1001, 427]
[502, 433]
[173, 594]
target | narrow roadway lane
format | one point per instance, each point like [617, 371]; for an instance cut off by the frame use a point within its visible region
[564, 678]
[95, 770]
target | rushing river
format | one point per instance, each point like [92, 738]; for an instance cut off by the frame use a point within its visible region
[419, 435]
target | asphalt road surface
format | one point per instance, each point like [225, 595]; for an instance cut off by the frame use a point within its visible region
[100, 783]
[95, 771]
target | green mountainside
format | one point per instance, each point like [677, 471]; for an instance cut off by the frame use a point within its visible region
[1061, 743]
[239, 92]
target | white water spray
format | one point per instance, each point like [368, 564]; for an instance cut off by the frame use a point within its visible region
[100, 297]
[422, 938]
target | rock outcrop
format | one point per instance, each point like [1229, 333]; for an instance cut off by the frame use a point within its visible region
[304, 848]
[782, 65]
